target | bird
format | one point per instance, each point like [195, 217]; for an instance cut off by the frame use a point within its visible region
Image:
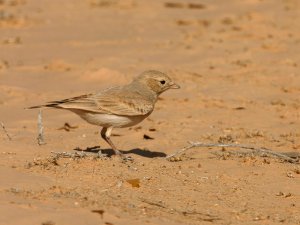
[118, 106]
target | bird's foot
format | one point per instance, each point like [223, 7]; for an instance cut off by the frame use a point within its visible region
[101, 155]
[124, 158]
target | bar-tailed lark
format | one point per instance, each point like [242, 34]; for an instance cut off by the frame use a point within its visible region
[121, 106]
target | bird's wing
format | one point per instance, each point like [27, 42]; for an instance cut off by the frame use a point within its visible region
[110, 101]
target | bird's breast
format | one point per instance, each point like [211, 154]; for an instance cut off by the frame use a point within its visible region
[108, 120]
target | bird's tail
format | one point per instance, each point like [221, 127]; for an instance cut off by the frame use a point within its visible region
[60, 104]
[51, 105]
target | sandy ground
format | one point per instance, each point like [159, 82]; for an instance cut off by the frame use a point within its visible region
[238, 65]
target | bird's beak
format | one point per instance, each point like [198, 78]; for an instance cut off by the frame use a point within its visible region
[174, 86]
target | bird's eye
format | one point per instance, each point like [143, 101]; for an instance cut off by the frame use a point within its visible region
[162, 81]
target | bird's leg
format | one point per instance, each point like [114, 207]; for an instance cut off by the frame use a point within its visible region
[105, 134]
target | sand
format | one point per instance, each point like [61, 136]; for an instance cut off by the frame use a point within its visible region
[238, 65]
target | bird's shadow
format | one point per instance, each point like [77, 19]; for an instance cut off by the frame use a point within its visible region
[137, 151]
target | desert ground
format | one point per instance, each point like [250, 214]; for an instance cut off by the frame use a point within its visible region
[237, 62]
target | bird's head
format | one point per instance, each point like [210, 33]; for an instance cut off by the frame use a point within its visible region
[156, 81]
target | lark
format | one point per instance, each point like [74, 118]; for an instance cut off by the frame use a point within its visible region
[120, 106]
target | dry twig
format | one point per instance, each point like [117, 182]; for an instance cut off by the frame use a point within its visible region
[199, 215]
[5, 131]
[74, 155]
[40, 137]
[157, 204]
[263, 151]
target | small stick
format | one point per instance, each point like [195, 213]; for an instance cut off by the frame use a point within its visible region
[40, 137]
[70, 154]
[157, 204]
[5, 131]
[264, 151]
[203, 216]
[76, 155]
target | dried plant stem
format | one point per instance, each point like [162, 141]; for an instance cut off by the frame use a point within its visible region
[70, 154]
[5, 131]
[200, 215]
[74, 155]
[40, 138]
[262, 151]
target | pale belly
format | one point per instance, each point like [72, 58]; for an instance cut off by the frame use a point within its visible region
[107, 120]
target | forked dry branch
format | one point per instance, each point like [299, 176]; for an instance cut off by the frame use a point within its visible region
[255, 150]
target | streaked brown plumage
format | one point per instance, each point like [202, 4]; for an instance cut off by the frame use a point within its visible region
[121, 106]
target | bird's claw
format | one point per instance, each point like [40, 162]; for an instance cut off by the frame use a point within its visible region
[101, 155]
[126, 158]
